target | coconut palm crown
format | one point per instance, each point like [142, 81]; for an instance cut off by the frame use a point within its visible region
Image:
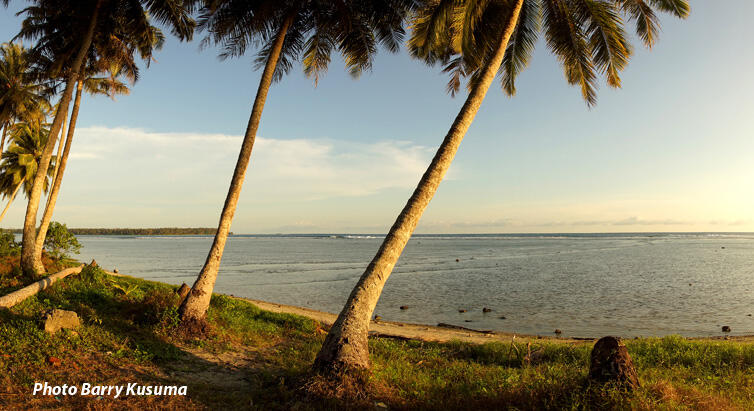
[21, 96]
[19, 163]
[317, 28]
[587, 37]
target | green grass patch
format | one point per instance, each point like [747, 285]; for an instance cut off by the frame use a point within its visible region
[254, 358]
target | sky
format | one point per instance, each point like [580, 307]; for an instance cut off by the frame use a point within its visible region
[671, 151]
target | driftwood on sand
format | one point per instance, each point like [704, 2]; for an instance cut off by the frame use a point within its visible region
[9, 300]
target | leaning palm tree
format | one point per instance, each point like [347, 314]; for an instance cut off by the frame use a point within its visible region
[18, 165]
[108, 61]
[286, 31]
[477, 39]
[108, 85]
[67, 29]
[20, 94]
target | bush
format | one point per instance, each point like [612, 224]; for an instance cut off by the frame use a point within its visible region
[59, 241]
[8, 244]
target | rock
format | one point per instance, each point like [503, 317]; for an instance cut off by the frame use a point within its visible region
[486, 310]
[461, 310]
[610, 362]
[558, 331]
[748, 315]
[502, 317]
[183, 291]
[56, 320]
[722, 248]
[404, 307]
[468, 321]
[726, 329]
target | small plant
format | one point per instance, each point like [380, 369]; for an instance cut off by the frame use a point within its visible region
[8, 244]
[59, 241]
[126, 290]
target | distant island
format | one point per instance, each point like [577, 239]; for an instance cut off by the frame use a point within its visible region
[141, 231]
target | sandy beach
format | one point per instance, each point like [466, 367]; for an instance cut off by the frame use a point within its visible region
[425, 332]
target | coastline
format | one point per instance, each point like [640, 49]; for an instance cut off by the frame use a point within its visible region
[433, 333]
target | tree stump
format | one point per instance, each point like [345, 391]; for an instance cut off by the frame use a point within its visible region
[610, 362]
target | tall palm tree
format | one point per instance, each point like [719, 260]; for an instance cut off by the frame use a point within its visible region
[66, 29]
[477, 39]
[18, 165]
[286, 31]
[108, 85]
[20, 94]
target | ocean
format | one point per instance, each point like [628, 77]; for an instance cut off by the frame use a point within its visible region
[587, 285]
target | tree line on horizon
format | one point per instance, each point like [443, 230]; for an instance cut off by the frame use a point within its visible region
[94, 45]
[139, 231]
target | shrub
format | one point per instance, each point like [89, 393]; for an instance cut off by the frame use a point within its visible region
[59, 241]
[8, 244]
[160, 307]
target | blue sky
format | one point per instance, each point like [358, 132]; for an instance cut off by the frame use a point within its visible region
[670, 151]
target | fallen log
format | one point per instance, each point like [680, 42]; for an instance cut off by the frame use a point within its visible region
[9, 300]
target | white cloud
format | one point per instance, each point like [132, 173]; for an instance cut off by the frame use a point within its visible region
[308, 169]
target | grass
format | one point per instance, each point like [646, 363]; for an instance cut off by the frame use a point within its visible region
[258, 359]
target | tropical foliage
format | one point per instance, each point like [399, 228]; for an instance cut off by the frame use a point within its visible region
[60, 242]
[21, 97]
[67, 34]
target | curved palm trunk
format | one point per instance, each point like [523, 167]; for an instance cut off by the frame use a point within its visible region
[10, 201]
[345, 347]
[194, 307]
[58, 175]
[30, 262]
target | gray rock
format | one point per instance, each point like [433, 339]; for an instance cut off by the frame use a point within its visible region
[56, 320]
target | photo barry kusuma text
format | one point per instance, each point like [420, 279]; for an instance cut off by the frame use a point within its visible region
[114, 391]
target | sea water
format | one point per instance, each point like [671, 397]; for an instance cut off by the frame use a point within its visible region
[583, 284]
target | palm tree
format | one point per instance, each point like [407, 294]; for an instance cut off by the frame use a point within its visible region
[287, 30]
[66, 29]
[108, 85]
[20, 94]
[479, 39]
[19, 163]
